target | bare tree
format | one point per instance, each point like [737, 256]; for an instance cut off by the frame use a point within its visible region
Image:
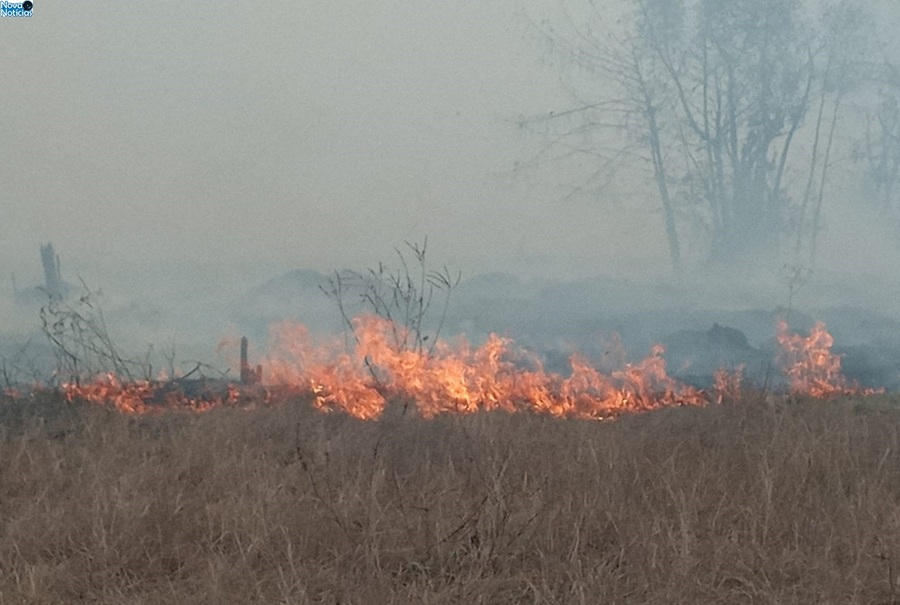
[844, 66]
[881, 148]
[711, 95]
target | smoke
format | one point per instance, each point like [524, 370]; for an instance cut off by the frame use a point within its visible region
[205, 173]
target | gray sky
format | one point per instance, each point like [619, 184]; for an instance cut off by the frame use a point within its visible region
[206, 138]
[207, 147]
[313, 134]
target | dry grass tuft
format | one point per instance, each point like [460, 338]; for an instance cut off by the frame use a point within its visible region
[757, 502]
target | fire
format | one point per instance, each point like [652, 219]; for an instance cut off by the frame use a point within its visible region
[143, 396]
[459, 378]
[728, 383]
[810, 366]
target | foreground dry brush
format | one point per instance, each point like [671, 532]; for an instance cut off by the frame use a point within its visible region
[754, 502]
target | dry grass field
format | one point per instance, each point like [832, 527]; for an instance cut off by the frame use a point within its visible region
[751, 502]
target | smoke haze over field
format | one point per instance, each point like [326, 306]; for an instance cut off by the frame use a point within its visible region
[191, 135]
[186, 153]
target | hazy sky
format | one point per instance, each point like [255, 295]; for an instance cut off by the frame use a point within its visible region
[207, 147]
[176, 137]
[295, 134]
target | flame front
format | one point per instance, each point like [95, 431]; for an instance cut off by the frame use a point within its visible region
[455, 377]
[810, 366]
[459, 378]
[142, 396]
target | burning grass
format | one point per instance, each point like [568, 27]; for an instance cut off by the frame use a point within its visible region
[757, 501]
[457, 378]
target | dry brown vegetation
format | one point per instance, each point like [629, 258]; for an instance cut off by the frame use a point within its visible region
[756, 502]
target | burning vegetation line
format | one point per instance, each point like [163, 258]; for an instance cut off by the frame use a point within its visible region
[810, 366]
[458, 378]
[403, 296]
[81, 340]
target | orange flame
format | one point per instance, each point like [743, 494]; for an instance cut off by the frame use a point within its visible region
[456, 377]
[461, 379]
[810, 366]
[728, 383]
[141, 396]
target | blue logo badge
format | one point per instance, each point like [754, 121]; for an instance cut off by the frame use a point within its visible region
[16, 9]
